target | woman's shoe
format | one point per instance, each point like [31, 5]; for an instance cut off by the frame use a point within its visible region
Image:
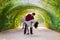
[27, 33]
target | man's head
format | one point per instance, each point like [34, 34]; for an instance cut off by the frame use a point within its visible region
[33, 14]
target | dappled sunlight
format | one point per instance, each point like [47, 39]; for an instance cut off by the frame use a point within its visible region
[47, 15]
[11, 11]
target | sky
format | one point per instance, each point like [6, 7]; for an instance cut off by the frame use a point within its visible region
[32, 1]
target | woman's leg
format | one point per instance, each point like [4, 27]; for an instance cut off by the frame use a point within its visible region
[27, 29]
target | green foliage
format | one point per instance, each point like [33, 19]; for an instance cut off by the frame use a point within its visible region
[11, 12]
[54, 5]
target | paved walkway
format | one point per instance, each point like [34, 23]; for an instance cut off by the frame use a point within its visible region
[39, 34]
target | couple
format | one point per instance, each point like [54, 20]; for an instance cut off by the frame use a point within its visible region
[29, 19]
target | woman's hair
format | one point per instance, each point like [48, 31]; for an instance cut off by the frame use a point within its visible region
[33, 13]
[36, 24]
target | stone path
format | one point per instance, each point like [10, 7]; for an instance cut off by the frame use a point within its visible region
[39, 34]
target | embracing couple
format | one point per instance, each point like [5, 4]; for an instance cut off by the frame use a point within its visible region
[28, 21]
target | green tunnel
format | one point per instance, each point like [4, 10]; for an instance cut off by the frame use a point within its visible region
[11, 11]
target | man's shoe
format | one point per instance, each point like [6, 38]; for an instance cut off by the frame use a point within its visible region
[31, 31]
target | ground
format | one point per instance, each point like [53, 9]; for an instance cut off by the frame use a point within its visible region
[39, 34]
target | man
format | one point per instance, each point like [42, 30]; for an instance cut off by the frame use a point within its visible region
[29, 19]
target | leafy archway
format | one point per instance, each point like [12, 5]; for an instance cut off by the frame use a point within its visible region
[11, 13]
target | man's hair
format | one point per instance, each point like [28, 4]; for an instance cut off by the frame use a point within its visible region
[33, 13]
